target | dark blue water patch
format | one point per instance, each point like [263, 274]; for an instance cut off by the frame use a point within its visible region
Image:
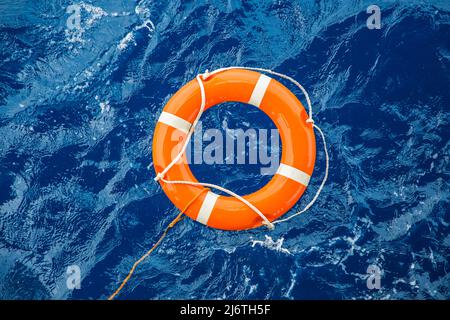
[417, 76]
[95, 179]
[68, 115]
[60, 165]
[6, 182]
[14, 162]
[23, 283]
[109, 148]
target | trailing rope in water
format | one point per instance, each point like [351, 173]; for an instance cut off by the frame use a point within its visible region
[179, 217]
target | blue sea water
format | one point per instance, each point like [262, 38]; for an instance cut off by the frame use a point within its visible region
[78, 109]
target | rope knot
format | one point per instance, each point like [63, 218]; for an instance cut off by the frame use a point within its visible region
[310, 120]
[269, 225]
[159, 176]
[205, 75]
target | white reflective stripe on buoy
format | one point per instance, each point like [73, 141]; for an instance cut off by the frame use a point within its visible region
[174, 121]
[294, 174]
[207, 207]
[259, 90]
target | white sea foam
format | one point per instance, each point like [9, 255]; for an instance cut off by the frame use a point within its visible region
[129, 37]
[104, 106]
[272, 245]
[94, 13]
[126, 41]
[288, 292]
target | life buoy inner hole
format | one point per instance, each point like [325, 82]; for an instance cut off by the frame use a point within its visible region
[235, 145]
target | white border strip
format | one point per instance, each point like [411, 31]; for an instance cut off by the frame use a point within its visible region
[294, 174]
[207, 207]
[259, 90]
[174, 121]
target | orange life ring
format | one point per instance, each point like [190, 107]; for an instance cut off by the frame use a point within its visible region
[297, 140]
